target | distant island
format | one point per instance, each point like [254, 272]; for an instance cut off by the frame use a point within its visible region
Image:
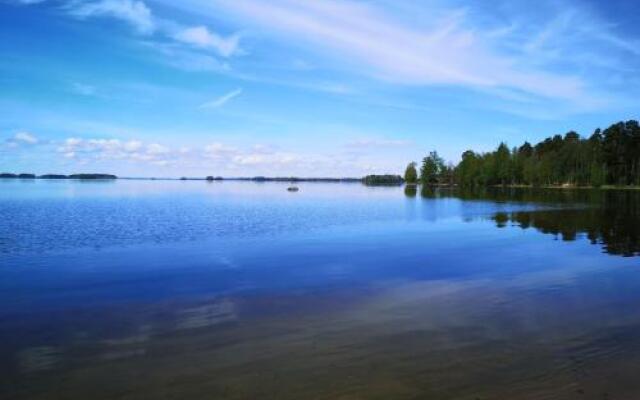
[210, 178]
[7, 175]
[383, 180]
[53, 176]
[293, 179]
[264, 179]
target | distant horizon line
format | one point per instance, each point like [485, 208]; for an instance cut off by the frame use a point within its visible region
[257, 178]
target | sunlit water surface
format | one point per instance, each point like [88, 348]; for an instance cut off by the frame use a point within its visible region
[242, 290]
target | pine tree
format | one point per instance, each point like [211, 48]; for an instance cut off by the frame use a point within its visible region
[411, 174]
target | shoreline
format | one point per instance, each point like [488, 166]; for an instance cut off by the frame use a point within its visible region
[260, 179]
[564, 187]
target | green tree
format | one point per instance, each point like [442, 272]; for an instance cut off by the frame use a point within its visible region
[502, 166]
[467, 171]
[432, 165]
[411, 174]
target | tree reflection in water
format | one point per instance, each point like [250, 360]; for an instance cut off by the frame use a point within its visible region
[609, 218]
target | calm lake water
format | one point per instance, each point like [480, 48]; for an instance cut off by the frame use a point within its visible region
[242, 290]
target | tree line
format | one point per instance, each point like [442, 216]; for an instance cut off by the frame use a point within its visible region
[607, 157]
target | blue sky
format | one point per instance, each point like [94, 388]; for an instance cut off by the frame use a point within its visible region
[307, 88]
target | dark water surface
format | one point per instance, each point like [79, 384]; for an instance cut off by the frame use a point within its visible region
[241, 290]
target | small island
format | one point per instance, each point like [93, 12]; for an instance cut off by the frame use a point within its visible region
[16, 176]
[92, 176]
[290, 179]
[83, 176]
[383, 180]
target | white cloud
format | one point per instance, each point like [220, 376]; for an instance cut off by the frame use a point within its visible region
[25, 137]
[155, 149]
[22, 139]
[72, 142]
[136, 13]
[135, 151]
[222, 100]
[257, 156]
[200, 36]
[132, 145]
[140, 16]
[214, 154]
[228, 160]
[179, 57]
[101, 148]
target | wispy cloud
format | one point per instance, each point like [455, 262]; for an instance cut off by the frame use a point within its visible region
[25, 137]
[185, 59]
[445, 53]
[202, 37]
[222, 100]
[22, 138]
[140, 16]
[437, 43]
[133, 12]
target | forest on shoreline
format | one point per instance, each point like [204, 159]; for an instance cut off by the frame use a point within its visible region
[607, 157]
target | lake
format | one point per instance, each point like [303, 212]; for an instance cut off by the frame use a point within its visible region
[242, 290]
